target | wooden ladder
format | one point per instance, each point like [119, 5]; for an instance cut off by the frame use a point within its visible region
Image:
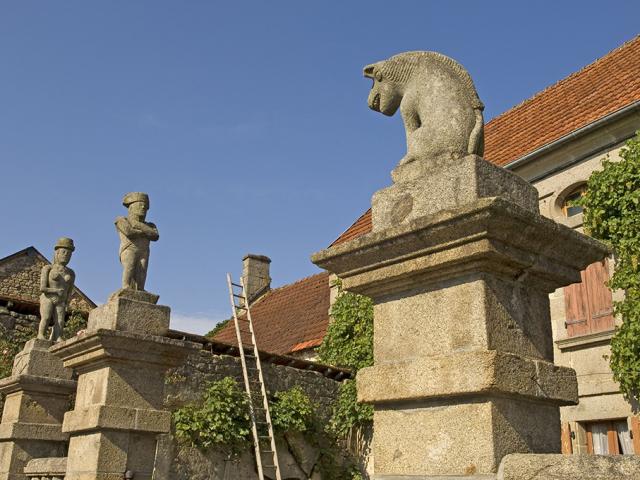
[261, 428]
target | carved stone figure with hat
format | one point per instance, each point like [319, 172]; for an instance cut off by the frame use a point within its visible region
[56, 285]
[135, 236]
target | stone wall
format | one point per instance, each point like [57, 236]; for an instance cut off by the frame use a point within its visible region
[10, 320]
[298, 458]
[20, 281]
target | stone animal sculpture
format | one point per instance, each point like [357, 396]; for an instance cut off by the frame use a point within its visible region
[438, 102]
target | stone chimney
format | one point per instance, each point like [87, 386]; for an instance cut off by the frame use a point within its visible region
[255, 274]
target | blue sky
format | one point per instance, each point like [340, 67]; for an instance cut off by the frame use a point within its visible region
[245, 121]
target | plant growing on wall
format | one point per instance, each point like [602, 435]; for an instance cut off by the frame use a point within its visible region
[349, 343]
[292, 411]
[220, 421]
[612, 214]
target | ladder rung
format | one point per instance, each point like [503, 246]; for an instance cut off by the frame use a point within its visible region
[239, 307]
[239, 296]
[236, 285]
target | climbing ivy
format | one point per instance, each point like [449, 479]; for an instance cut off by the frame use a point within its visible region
[349, 343]
[349, 339]
[221, 420]
[612, 214]
[292, 411]
[347, 412]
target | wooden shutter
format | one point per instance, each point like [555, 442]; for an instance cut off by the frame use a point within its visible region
[576, 308]
[635, 432]
[588, 304]
[567, 448]
[599, 295]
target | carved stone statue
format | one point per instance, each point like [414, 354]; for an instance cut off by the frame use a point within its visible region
[135, 236]
[56, 285]
[439, 104]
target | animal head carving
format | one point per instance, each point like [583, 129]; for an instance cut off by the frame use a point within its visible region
[440, 108]
[386, 93]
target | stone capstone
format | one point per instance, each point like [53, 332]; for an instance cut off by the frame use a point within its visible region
[427, 189]
[129, 313]
[35, 360]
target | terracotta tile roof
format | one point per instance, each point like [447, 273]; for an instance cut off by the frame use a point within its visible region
[605, 86]
[20, 280]
[290, 318]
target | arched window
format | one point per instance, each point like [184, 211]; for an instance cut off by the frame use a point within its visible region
[569, 208]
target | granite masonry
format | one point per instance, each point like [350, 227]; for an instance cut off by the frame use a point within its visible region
[459, 265]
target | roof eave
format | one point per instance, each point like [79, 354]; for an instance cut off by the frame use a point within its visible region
[601, 122]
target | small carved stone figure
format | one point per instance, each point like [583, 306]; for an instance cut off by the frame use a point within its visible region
[440, 108]
[135, 236]
[56, 285]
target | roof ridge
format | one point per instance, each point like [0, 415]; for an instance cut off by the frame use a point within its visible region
[350, 226]
[567, 78]
[303, 279]
[286, 285]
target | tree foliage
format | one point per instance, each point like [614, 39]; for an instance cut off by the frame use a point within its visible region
[219, 326]
[612, 214]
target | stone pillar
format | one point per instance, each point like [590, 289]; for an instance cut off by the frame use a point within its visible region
[459, 266]
[37, 396]
[121, 362]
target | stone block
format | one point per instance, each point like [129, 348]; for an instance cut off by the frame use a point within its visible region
[130, 315]
[464, 373]
[519, 320]
[426, 189]
[35, 360]
[47, 467]
[116, 418]
[491, 236]
[569, 467]
[14, 456]
[419, 440]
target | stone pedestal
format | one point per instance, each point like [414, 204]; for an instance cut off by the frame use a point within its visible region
[459, 273]
[118, 410]
[37, 395]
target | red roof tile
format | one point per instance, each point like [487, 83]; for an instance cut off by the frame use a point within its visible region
[289, 318]
[603, 87]
[599, 89]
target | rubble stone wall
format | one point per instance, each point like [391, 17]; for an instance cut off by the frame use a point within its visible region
[298, 458]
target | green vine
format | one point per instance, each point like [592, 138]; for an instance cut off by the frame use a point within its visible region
[221, 419]
[612, 214]
[349, 343]
[292, 411]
